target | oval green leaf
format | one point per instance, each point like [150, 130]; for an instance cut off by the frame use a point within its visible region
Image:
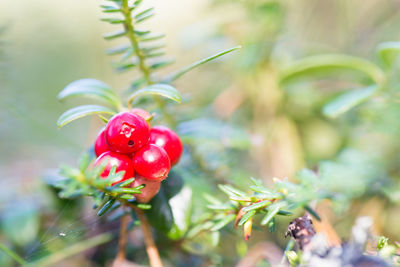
[90, 88]
[331, 63]
[348, 100]
[160, 89]
[82, 111]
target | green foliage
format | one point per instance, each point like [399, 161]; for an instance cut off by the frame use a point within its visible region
[140, 53]
[164, 90]
[90, 88]
[82, 111]
[86, 181]
[330, 64]
[170, 211]
[348, 100]
[335, 181]
[221, 151]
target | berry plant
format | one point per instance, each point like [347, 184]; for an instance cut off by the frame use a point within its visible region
[169, 184]
[133, 156]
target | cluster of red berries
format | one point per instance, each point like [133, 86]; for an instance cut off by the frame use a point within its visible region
[146, 153]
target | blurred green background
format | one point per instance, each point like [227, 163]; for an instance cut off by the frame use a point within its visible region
[46, 44]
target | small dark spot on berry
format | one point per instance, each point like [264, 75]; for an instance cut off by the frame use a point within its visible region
[131, 143]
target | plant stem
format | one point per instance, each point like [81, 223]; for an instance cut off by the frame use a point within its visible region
[122, 238]
[13, 255]
[130, 30]
[151, 249]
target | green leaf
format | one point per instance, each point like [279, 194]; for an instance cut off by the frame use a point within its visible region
[141, 33]
[144, 13]
[284, 213]
[224, 221]
[267, 193]
[196, 64]
[82, 111]
[389, 52]
[124, 66]
[181, 207]
[330, 64]
[152, 48]
[151, 37]
[117, 50]
[258, 205]
[272, 211]
[113, 20]
[144, 17]
[231, 191]
[127, 196]
[160, 64]
[110, 9]
[155, 54]
[256, 182]
[224, 206]
[211, 199]
[160, 216]
[246, 217]
[173, 185]
[115, 34]
[84, 162]
[160, 89]
[90, 88]
[106, 207]
[312, 212]
[123, 190]
[348, 100]
[144, 206]
[125, 182]
[271, 225]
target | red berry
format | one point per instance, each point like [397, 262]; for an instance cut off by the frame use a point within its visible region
[149, 191]
[169, 140]
[152, 162]
[100, 146]
[122, 162]
[126, 133]
[142, 113]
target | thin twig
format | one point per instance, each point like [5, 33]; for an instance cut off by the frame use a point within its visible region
[122, 238]
[151, 249]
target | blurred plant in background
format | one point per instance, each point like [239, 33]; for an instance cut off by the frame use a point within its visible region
[313, 86]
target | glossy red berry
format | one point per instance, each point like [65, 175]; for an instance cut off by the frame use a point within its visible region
[126, 133]
[100, 146]
[142, 113]
[166, 138]
[149, 191]
[122, 162]
[152, 162]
